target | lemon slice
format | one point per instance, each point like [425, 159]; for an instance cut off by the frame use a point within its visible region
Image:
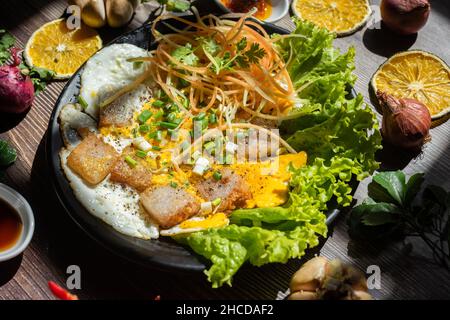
[343, 17]
[54, 47]
[418, 75]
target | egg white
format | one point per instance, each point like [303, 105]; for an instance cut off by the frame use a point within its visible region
[115, 204]
[108, 71]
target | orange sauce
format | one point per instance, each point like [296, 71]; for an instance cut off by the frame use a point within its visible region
[264, 7]
[10, 226]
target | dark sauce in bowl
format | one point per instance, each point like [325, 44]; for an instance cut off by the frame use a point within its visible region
[10, 226]
[264, 7]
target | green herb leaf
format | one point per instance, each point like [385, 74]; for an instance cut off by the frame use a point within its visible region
[177, 5]
[413, 187]
[8, 154]
[377, 214]
[394, 183]
[186, 55]
[6, 42]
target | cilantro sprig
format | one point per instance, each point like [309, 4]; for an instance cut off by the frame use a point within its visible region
[396, 207]
[6, 42]
[242, 58]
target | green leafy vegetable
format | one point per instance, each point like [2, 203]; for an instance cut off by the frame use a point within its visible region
[175, 5]
[6, 42]
[394, 208]
[8, 154]
[39, 76]
[340, 136]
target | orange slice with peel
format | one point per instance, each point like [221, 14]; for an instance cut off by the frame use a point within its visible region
[418, 75]
[342, 17]
[57, 48]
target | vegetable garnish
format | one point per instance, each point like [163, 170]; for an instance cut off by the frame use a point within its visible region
[131, 162]
[60, 292]
[8, 154]
[394, 209]
[6, 42]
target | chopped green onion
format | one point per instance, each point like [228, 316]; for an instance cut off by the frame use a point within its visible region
[137, 64]
[228, 159]
[167, 125]
[141, 154]
[131, 162]
[200, 116]
[144, 128]
[217, 175]
[210, 145]
[173, 184]
[171, 117]
[144, 116]
[216, 202]
[212, 118]
[156, 148]
[158, 104]
[159, 114]
[156, 135]
[82, 102]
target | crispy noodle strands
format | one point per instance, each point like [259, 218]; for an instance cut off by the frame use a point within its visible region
[263, 83]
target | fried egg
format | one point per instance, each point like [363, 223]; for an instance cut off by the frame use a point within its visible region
[108, 71]
[115, 204]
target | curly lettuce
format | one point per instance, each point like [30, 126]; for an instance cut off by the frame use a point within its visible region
[340, 135]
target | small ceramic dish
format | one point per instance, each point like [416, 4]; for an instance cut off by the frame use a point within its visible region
[280, 8]
[23, 209]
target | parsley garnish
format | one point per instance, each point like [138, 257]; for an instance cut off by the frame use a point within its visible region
[186, 55]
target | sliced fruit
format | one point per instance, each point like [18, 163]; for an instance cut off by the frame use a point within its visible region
[54, 47]
[343, 17]
[419, 75]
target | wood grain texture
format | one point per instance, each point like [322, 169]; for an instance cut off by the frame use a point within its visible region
[58, 242]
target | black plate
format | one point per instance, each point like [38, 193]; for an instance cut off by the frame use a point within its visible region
[162, 252]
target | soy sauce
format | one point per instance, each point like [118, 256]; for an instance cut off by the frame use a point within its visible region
[10, 226]
[264, 7]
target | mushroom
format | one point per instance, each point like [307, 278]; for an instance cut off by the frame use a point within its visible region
[321, 279]
[97, 13]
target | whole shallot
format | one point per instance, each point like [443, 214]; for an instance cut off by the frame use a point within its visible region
[406, 122]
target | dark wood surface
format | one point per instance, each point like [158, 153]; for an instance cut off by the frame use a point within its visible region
[58, 242]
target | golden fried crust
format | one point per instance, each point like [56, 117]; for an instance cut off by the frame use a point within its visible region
[169, 206]
[231, 189]
[92, 159]
[138, 177]
[116, 114]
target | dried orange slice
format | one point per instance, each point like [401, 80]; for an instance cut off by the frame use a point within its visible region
[54, 47]
[343, 17]
[419, 75]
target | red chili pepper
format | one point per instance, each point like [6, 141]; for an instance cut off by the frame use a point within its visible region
[60, 292]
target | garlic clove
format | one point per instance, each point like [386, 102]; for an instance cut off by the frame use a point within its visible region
[308, 277]
[303, 295]
[79, 3]
[119, 12]
[361, 295]
[93, 14]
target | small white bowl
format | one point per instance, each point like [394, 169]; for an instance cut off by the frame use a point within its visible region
[280, 8]
[18, 202]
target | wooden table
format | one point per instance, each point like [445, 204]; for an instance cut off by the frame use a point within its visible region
[58, 242]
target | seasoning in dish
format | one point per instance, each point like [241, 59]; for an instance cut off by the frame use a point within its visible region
[10, 226]
[264, 7]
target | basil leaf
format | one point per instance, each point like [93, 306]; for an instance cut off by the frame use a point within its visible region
[413, 187]
[7, 154]
[394, 183]
[378, 214]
